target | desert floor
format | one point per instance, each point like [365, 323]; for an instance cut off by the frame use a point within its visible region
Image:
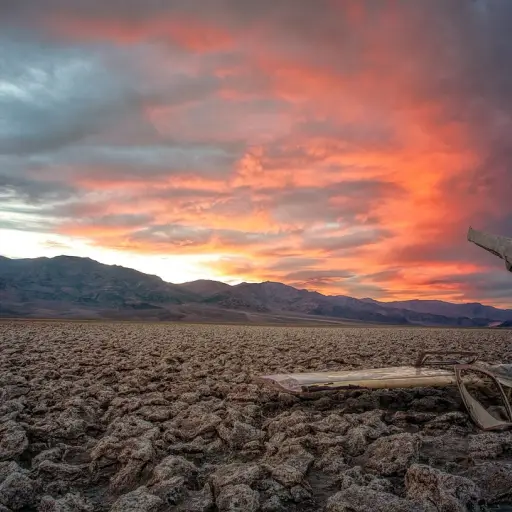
[154, 417]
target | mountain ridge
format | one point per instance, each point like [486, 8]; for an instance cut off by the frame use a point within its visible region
[74, 287]
[472, 309]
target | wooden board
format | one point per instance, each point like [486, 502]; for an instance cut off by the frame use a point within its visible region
[375, 378]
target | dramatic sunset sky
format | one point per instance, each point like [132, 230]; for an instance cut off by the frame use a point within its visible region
[343, 146]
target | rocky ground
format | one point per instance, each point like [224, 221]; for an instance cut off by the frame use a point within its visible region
[154, 417]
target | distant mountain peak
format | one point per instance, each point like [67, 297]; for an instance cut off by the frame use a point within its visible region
[83, 286]
[196, 281]
[277, 284]
[205, 287]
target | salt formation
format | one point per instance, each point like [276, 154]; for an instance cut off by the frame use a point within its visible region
[98, 417]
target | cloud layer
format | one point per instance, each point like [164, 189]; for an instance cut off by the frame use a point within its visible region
[339, 145]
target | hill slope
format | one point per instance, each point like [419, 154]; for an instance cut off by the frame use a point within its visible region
[205, 287]
[439, 307]
[67, 286]
[270, 296]
[86, 282]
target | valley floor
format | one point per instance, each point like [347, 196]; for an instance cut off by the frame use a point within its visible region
[158, 416]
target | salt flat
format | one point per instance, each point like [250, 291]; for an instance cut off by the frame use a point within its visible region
[155, 417]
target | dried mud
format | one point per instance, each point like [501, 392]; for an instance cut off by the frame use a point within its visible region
[155, 417]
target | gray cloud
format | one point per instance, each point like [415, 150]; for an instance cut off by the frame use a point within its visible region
[377, 134]
[317, 275]
[341, 201]
[149, 232]
[76, 107]
[26, 224]
[33, 192]
[341, 244]
[150, 161]
[233, 12]
[172, 235]
[294, 263]
[451, 250]
[492, 285]
[51, 95]
[124, 220]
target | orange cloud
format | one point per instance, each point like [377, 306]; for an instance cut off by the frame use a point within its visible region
[189, 33]
[341, 145]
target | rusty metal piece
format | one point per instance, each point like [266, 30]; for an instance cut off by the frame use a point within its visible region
[372, 378]
[423, 357]
[500, 246]
[477, 412]
[422, 374]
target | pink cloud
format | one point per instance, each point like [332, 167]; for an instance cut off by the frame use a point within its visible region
[342, 136]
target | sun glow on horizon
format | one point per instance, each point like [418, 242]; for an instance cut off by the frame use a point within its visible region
[262, 141]
[173, 269]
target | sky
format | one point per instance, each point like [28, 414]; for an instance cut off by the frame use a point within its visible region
[343, 146]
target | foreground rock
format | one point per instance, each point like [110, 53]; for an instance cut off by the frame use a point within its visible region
[69, 503]
[448, 492]
[363, 499]
[494, 479]
[99, 417]
[393, 454]
[238, 498]
[139, 500]
[13, 440]
[17, 489]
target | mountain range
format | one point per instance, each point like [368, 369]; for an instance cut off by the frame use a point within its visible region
[81, 288]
